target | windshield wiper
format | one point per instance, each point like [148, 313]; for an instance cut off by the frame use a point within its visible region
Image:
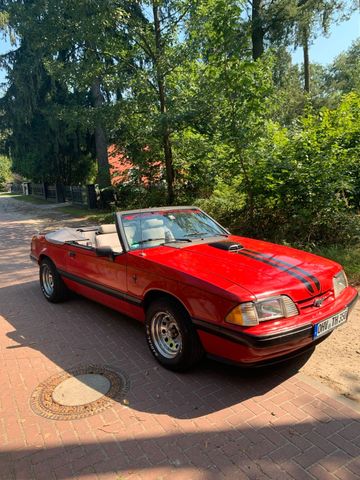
[165, 242]
[178, 240]
[149, 240]
[206, 233]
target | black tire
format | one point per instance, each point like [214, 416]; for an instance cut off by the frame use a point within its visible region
[52, 285]
[178, 350]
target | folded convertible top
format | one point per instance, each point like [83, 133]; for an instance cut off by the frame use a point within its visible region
[64, 235]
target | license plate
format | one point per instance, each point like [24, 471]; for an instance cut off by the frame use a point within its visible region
[329, 324]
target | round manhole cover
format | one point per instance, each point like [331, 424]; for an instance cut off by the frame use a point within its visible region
[79, 392]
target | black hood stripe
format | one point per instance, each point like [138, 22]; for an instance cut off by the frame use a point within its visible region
[293, 267]
[279, 267]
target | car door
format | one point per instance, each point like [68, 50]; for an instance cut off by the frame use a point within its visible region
[104, 279]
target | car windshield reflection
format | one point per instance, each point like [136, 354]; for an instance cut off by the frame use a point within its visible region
[151, 229]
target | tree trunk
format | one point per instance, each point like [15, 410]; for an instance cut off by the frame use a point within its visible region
[306, 61]
[257, 31]
[166, 140]
[103, 178]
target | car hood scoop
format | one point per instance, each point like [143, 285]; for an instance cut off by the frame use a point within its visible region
[226, 245]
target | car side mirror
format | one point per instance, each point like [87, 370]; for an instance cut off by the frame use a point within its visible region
[105, 252]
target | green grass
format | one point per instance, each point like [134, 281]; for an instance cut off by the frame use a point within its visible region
[99, 216]
[96, 216]
[26, 198]
[348, 257]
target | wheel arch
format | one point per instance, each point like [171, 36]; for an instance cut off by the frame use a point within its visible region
[42, 256]
[156, 294]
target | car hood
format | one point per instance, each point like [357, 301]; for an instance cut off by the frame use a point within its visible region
[260, 267]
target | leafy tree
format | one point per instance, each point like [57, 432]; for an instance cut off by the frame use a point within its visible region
[150, 104]
[343, 75]
[87, 55]
[305, 182]
[312, 17]
[295, 22]
[5, 170]
[79, 59]
[42, 145]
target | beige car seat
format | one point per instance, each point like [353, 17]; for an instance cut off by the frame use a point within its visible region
[154, 229]
[108, 237]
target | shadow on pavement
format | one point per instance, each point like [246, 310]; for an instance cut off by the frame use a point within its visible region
[80, 332]
[275, 451]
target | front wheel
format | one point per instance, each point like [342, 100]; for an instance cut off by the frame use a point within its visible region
[171, 336]
[51, 283]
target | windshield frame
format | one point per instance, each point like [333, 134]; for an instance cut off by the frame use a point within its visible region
[122, 234]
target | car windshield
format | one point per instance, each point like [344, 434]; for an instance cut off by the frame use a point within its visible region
[150, 229]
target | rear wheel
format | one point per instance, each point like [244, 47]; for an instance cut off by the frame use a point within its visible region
[171, 336]
[51, 283]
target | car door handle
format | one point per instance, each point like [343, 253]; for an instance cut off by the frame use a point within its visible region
[72, 254]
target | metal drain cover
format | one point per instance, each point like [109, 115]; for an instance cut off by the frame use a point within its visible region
[79, 392]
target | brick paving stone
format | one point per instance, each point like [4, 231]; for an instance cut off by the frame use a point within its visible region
[296, 471]
[325, 430]
[335, 460]
[351, 432]
[354, 466]
[321, 442]
[349, 447]
[282, 454]
[213, 423]
[310, 456]
[320, 473]
[344, 473]
[43, 471]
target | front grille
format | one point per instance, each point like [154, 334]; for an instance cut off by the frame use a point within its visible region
[309, 302]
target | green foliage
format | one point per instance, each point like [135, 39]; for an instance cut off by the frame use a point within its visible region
[5, 170]
[305, 183]
[227, 203]
[343, 76]
[348, 257]
[173, 83]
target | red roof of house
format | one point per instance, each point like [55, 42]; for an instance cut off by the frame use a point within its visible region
[121, 167]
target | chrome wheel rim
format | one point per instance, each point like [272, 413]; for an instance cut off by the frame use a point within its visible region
[166, 334]
[47, 280]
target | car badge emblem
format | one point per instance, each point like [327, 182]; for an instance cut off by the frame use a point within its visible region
[318, 302]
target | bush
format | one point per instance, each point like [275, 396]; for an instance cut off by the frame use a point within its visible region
[226, 205]
[5, 171]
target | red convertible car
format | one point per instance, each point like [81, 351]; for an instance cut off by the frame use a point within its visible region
[197, 288]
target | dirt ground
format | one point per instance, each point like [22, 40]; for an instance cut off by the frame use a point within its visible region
[335, 362]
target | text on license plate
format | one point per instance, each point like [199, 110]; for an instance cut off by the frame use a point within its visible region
[330, 323]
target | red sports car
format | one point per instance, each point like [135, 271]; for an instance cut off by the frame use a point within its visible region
[197, 288]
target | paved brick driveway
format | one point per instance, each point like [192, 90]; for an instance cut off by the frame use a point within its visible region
[212, 423]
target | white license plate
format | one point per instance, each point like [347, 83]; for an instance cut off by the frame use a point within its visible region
[329, 324]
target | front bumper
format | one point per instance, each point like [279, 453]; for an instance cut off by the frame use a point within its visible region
[245, 348]
[33, 258]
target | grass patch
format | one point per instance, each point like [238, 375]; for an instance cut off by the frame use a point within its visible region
[96, 216]
[348, 257]
[26, 198]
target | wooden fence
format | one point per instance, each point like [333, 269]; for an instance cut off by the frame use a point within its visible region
[84, 195]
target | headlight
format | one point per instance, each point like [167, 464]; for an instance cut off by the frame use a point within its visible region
[340, 283]
[252, 313]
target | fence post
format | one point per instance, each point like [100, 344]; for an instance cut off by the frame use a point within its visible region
[60, 197]
[91, 196]
[45, 190]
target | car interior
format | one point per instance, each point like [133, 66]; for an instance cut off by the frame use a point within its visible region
[148, 232]
[93, 237]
